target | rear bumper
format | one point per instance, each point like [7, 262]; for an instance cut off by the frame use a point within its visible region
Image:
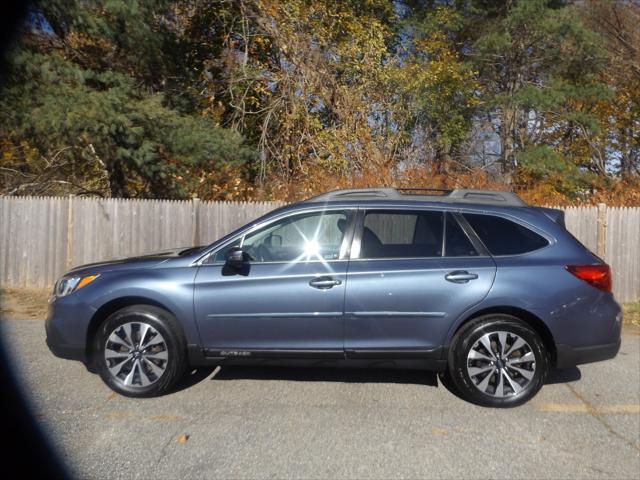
[568, 356]
[587, 330]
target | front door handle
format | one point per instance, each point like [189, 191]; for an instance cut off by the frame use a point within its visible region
[460, 276]
[324, 283]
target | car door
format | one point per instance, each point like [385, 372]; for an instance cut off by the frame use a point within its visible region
[289, 301]
[412, 273]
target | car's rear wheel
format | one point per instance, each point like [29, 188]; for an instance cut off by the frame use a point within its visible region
[139, 351]
[497, 361]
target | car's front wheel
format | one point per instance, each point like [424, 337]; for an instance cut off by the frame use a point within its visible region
[498, 361]
[139, 351]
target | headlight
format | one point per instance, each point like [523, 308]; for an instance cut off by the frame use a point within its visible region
[67, 285]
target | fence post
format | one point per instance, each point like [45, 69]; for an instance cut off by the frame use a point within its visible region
[602, 230]
[195, 235]
[70, 221]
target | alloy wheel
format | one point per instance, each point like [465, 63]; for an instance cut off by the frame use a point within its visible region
[501, 364]
[136, 354]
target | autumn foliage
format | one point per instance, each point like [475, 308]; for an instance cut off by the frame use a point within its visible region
[283, 99]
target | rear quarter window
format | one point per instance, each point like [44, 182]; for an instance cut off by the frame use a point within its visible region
[504, 237]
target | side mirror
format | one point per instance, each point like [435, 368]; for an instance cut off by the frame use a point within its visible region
[235, 257]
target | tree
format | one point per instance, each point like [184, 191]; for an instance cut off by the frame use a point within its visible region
[538, 66]
[90, 101]
[619, 142]
[439, 88]
[239, 99]
[307, 82]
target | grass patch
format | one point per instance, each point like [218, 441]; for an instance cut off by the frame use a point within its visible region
[631, 314]
[24, 303]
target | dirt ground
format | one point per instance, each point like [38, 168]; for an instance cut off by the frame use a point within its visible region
[24, 303]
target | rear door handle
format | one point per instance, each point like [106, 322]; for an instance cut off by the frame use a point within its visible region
[324, 283]
[460, 276]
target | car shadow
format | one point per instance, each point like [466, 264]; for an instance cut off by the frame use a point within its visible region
[192, 377]
[340, 375]
[319, 374]
[555, 376]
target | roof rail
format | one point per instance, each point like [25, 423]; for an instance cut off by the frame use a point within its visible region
[490, 196]
[458, 195]
[436, 191]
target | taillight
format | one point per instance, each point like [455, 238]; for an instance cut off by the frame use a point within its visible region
[598, 275]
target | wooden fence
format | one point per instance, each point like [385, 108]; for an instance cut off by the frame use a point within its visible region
[42, 237]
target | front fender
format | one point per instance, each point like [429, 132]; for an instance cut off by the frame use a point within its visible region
[172, 288]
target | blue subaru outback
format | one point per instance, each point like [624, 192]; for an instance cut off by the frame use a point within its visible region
[476, 285]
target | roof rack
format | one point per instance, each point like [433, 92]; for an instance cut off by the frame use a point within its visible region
[436, 191]
[458, 195]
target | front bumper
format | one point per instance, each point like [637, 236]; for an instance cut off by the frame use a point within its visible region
[568, 356]
[66, 328]
[68, 352]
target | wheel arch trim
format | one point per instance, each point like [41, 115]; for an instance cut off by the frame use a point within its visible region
[112, 306]
[526, 316]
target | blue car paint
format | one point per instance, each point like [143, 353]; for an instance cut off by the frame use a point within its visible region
[168, 283]
[408, 304]
[376, 307]
[272, 307]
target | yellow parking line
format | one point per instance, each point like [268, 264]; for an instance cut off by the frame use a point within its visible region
[633, 409]
[119, 414]
[630, 408]
[167, 418]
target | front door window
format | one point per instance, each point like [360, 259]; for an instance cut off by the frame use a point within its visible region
[301, 238]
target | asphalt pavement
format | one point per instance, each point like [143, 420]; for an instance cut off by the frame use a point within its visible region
[235, 422]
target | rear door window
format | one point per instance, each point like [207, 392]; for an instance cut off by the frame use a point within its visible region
[504, 237]
[402, 234]
[457, 243]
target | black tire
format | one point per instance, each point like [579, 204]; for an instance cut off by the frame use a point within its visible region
[488, 394]
[173, 347]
